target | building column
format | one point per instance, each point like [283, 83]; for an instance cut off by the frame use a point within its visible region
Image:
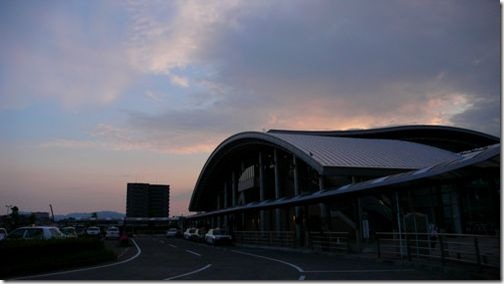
[457, 220]
[277, 190]
[297, 209]
[218, 207]
[324, 216]
[233, 188]
[225, 203]
[262, 213]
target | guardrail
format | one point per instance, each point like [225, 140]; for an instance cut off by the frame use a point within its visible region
[266, 238]
[474, 249]
[329, 241]
[318, 241]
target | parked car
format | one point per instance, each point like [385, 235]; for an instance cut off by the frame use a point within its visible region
[36, 232]
[3, 234]
[112, 233]
[93, 231]
[218, 236]
[173, 233]
[69, 232]
[188, 234]
[199, 235]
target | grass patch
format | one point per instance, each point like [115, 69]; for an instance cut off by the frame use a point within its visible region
[25, 257]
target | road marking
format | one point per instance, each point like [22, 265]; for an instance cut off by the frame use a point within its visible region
[189, 273]
[301, 278]
[195, 253]
[359, 271]
[125, 251]
[161, 242]
[139, 251]
[269, 258]
[172, 246]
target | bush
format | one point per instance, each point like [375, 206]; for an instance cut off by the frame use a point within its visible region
[25, 257]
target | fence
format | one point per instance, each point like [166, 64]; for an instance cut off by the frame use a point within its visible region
[329, 241]
[326, 241]
[266, 238]
[474, 249]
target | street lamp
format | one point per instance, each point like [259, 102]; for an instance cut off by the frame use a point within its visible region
[8, 208]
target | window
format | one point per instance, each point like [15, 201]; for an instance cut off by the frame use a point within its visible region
[17, 234]
[34, 233]
[55, 233]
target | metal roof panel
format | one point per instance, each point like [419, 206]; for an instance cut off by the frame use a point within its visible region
[367, 153]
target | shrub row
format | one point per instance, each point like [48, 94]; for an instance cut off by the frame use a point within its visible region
[23, 257]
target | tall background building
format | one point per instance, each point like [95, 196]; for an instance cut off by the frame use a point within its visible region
[147, 200]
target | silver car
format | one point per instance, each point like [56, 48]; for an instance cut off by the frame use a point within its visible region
[112, 233]
[188, 234]
[218, 236]
[93, 231]
[37, 232]
[3, 233]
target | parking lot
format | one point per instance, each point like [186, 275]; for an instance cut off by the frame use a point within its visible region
[161, 258]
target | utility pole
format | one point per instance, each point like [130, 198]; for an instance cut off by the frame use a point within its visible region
[52, 213]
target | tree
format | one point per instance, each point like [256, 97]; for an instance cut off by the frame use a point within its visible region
[32, 219]
[94, 215]
[14, 216]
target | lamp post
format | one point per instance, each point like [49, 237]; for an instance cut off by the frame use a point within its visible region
[9, 207]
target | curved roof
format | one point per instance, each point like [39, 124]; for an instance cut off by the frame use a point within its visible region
[324, 152]
[366, 153]
[480, 158]
[445, 137]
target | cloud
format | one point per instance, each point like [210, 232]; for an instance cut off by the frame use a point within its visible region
[60, 54]
[242, 66]
[167, 37]
[321, 64]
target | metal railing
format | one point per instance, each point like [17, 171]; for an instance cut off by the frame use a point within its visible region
[318, 241]
[329, 241]
[474, 249]
[266, 238]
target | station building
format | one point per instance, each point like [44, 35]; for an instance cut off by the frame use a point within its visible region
[402, 178]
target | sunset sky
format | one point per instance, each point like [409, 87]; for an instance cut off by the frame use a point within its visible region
[95, 94]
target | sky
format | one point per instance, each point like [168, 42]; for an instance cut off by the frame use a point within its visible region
[96, 94]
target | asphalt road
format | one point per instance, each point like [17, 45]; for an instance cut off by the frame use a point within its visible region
[160, 258]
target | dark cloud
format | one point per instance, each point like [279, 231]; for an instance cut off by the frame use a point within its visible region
[342, 64]
[356, 50]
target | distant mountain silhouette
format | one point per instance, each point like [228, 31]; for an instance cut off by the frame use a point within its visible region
[101, 214]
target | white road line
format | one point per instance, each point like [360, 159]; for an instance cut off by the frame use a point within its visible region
[139, 251]
[269, 258]
[189, 273]
[359, 271]
[302, 277]
[125, 251]
[172, 246]
[195, 253]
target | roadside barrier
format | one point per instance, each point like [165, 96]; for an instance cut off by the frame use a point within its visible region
[266, 238]
[329, 241]
[318, 241]
[480, 250]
